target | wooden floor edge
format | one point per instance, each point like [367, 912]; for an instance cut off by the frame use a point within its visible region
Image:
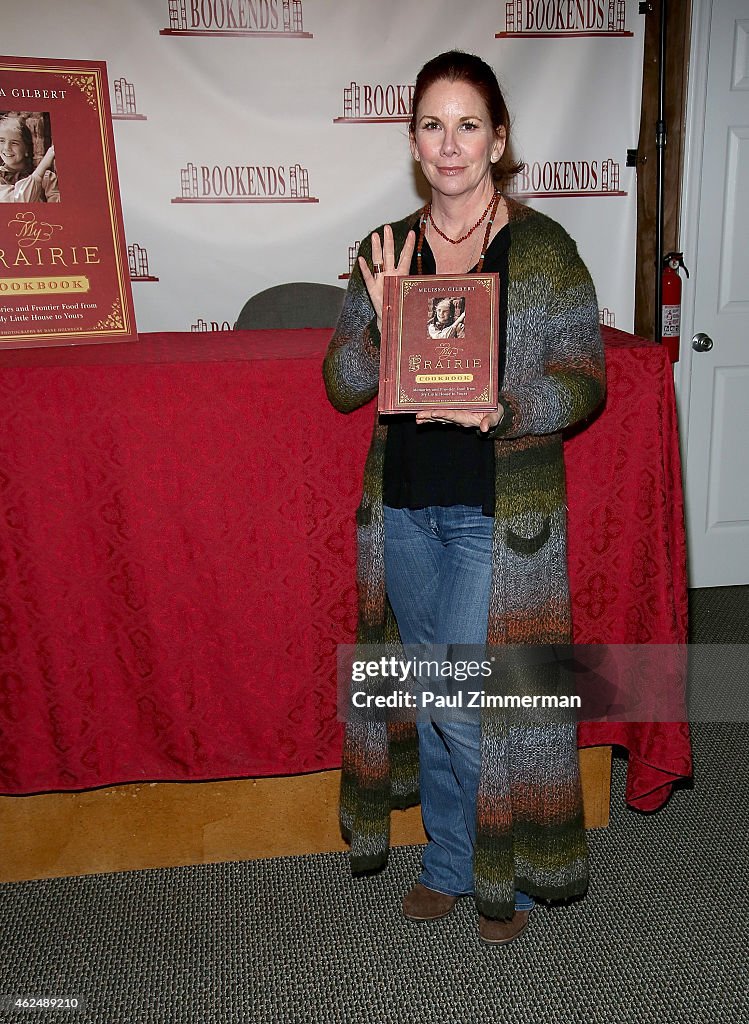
[155, 825]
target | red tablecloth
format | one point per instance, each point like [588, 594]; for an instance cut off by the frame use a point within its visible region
[177, 557]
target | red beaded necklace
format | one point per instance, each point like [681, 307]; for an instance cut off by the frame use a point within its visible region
[457, 241]
[426, 217]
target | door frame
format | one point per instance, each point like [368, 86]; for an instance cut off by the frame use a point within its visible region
[690, 206]
[678, 15]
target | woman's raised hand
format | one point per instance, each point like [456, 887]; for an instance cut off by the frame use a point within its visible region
[383, 260]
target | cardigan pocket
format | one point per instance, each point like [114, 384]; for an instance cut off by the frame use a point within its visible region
[529, 534]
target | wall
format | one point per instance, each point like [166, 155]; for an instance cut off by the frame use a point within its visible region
[247, 159]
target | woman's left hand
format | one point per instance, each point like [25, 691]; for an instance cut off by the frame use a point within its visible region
[485, 421]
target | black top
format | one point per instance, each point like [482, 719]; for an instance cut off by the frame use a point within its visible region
[443, 463]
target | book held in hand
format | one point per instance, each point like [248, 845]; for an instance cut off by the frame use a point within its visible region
[440, 343]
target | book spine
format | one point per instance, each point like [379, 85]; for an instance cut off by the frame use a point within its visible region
[387, 347]
[494, 379]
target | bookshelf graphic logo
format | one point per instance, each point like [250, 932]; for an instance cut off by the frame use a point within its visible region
[268, 18]
[244, 183]
[201, 325]
[532, 19]
[376, 104]
[566, 178]
[352, 251]
[124, 102]
[137, 261]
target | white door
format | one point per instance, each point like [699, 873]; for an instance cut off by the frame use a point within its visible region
[713, 384]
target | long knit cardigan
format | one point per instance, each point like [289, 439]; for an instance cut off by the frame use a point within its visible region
[529, 829]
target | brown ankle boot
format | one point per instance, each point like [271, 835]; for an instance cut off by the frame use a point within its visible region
[499, 933]
[422, 904]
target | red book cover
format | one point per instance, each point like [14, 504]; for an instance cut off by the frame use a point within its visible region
[64, 276]
[440, 343]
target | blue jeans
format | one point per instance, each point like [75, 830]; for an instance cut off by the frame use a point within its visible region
[438, 578]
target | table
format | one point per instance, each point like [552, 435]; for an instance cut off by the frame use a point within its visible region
[177, 557]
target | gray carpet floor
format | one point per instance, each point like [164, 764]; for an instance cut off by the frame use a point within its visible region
[719, 615]
[661, 937]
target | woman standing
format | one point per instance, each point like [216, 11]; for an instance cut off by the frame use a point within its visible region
[462, 528]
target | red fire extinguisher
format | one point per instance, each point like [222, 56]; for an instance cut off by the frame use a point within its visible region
[671, 302]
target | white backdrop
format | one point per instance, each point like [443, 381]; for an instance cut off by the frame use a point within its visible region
[245, 100]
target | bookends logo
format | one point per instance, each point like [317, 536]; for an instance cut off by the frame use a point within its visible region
[352, 251]
[200, 326]
[566, 178]
[555, 18]
[274, 18]
[244, 183]
[124, 102]
[372, 104]
[137, 261]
